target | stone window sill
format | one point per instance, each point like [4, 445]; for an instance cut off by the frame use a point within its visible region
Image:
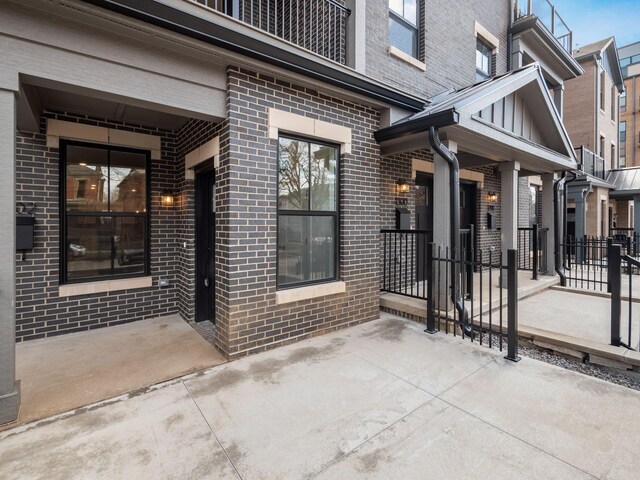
[396, 52]
[312, 291]
[74, 289]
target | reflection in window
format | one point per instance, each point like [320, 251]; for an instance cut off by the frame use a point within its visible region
[105, 212]
[483, 61]
[403, 26]
[307, 211]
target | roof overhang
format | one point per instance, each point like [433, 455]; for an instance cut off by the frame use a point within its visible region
[228, 33]
[555, 55]
[456, 117]
[626, 182]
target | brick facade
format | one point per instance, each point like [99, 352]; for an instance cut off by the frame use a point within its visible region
[447, 44]
[40, 311]
[246, 185]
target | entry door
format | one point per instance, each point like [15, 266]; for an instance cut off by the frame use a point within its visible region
[424, 218]
[205, 246]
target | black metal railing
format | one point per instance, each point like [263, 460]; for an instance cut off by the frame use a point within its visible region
[404, 262]
[589, 162]
[479, 316]
[584, 262]
[317, 25]
[550, 18]
[622, 327]
[532, 249]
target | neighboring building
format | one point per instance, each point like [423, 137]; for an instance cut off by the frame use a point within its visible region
[247, 155]
[627, 188]
[591, 118]
[630, 106]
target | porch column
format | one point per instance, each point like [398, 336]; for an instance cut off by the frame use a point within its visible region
[509, 206]
[441, 221]
[9, 387]
[548, 217]
[636, 214]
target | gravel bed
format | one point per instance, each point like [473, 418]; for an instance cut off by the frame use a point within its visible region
[569, 363]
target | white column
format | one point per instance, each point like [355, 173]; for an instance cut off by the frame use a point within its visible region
[548, 220]
[509, 206]
[517, 55]
[9, 387]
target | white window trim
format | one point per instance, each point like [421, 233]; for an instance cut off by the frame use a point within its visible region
[311, 291]
[57, 129]
[405, 57]
[486, 37]
[287, 122]
[88, 288]
[205, 152]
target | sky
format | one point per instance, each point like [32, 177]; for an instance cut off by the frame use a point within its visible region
[593, 20]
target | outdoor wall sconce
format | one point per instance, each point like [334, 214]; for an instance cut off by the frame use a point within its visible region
[167, 199]
[402, 186]
[492, 197]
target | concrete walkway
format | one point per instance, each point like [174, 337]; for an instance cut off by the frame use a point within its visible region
[70, 371]
[380, 400]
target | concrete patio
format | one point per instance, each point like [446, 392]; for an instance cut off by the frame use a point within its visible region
[379, 400]
[61, 373]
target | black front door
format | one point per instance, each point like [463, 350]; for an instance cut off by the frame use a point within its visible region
[205, 246]
[424, 218]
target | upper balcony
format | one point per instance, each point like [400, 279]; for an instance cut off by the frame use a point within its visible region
[541, 35]
[316, 25]
[590, 163]
[550, 18]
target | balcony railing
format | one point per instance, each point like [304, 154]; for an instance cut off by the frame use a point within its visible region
[550, 18]
[317, 25]
[589, 162]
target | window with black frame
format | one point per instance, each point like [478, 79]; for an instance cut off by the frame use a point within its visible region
[483, 61]
[105, 212]
[307, 212]
[403, 26]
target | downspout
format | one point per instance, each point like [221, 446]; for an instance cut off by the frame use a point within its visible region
[454, 202]
[558, 232]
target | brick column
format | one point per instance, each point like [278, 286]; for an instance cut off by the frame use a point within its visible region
[9, 387]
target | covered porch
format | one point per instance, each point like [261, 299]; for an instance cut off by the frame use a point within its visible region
[491, 135]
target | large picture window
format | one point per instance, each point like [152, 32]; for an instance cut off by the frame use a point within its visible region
[307, 212]
[105, 212]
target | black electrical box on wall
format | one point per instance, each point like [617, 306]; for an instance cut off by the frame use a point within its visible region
[24, 232]
[403, 218]
[491, 220]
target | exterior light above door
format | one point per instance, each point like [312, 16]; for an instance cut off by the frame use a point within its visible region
[492, 197]
[402, 186]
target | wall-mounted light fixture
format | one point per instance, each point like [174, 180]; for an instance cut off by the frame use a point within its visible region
[167, 199]
[402, 186]
[492, 197]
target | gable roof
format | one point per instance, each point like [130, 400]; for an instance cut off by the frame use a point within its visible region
[606, 49]
[464, 107]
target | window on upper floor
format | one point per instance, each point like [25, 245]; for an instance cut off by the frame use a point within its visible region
[613, 102]
[601, 152]
[105, 212]
[613, 155]
[623, 156]
[307, 212]
[403, 26]
[623, 102]
[623, 132]
[484, 62]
